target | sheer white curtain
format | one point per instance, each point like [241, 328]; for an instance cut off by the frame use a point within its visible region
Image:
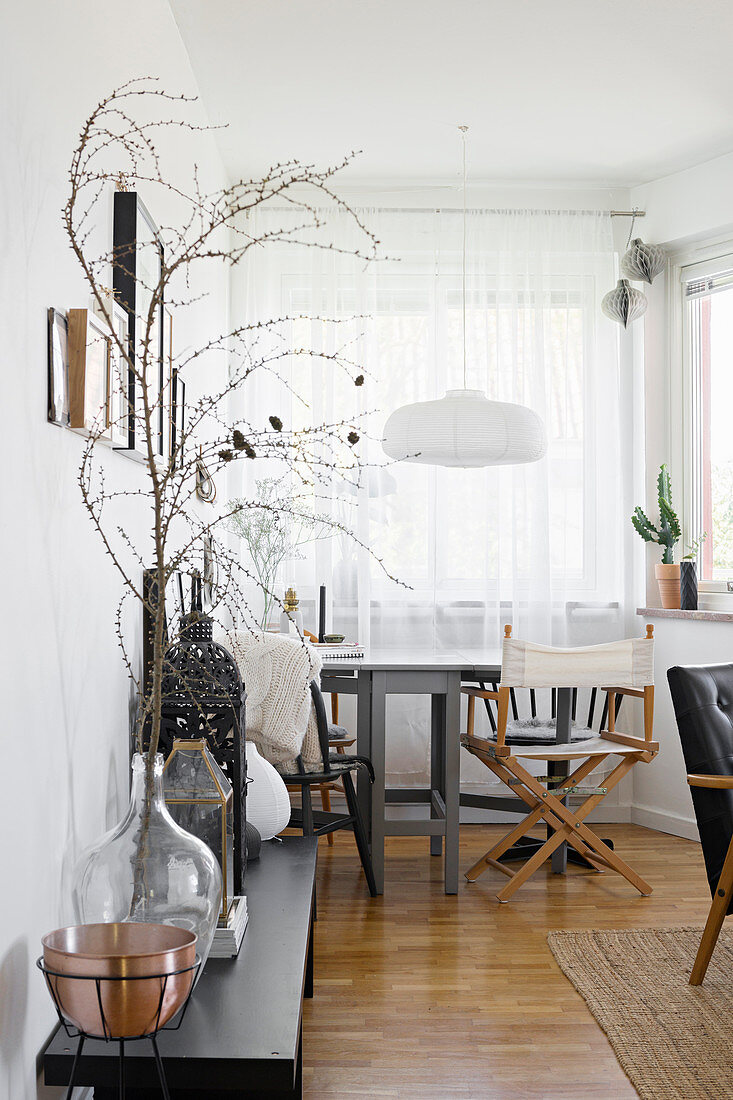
[538, 545]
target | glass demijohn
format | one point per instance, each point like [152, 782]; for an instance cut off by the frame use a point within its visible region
[200, 799]
[149, 869]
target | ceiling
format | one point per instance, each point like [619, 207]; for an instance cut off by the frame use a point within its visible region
[554, 91]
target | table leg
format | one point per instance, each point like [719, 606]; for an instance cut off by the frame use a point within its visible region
[452, 774]
[559, 769]
[308, 983]
[378, 748]
[437, 768]
[364, 744]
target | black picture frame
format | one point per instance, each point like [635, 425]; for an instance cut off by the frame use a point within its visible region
[138, 248]
[58, 368]
[177, 419]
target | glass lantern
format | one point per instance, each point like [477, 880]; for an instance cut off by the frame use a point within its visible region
[200, 799]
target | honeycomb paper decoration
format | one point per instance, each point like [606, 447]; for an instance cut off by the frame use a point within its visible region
[643, 261]
[624, 304]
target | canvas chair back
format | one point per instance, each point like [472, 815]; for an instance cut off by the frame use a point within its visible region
[621, 667]
[624, 664]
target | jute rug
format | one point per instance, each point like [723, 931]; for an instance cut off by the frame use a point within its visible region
[674, 1041]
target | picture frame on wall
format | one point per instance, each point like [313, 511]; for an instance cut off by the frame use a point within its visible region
[119, 382]
[137, 268]
[58, 368]
[166, 408]
[209, 576]
[89, 344]
[177, 419]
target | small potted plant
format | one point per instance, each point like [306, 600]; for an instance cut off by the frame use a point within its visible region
[666, 535]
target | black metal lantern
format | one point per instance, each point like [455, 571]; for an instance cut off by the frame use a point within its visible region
[203, 697]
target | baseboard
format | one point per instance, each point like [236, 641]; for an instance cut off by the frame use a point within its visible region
[685, 827]
[613, 814]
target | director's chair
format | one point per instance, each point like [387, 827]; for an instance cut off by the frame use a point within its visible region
[628, 668]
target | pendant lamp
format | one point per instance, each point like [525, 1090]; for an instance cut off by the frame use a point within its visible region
[464, 428]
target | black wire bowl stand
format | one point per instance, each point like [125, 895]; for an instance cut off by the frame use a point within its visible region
[74, 1033]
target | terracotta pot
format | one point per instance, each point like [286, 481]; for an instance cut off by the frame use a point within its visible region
[129, 950]
[668, 579]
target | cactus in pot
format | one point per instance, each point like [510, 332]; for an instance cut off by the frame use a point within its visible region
[667, 534]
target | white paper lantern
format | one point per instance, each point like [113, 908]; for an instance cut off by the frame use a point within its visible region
[466, 429]
[643, 261]
[624, 303]
[268, 804]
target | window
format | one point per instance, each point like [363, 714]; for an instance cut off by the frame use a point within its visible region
[708, 357]
[415, 333]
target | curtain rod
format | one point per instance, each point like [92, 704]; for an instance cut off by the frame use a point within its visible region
[484, 210]
[481, 210]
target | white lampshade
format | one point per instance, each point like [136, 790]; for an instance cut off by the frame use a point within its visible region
[464, 428]
[268, 803]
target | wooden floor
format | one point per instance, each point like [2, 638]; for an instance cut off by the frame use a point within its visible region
[425, 996]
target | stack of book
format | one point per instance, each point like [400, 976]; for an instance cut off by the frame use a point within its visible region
[341, 649]
[228, 939]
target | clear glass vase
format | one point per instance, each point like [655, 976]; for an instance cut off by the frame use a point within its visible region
[149, 869]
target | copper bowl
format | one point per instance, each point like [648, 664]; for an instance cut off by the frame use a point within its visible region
[127, 952]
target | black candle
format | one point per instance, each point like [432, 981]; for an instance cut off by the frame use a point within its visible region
[322, 613]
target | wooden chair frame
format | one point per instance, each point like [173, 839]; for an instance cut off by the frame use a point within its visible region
[548, 803]
[723, 890]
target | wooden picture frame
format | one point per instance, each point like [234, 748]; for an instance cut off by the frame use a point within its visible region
[58, 368]
[89, 374]
[138, 264]
[119, 381]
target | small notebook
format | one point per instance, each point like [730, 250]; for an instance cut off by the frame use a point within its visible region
[342, 649]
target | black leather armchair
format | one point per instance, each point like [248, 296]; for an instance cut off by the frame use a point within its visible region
[703, 704]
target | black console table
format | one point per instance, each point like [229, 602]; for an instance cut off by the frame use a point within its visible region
[241, 1036]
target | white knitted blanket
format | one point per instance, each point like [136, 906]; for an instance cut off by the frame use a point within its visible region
[276, 673]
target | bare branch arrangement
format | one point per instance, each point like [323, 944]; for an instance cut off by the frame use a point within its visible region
[117, 150]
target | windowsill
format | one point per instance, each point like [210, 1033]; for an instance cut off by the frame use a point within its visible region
[676, 613]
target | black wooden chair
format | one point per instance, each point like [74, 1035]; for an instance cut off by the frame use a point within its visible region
[334, 765]
[703, 704]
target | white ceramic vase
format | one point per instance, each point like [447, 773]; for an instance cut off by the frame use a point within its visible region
[268, 803]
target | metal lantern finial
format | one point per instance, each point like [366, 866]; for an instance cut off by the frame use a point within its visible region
[643, 261]
[624, 304]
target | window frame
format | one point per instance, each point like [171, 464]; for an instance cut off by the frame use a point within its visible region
[579, 585]
[706, 259]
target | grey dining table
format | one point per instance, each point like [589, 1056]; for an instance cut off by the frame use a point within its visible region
[415, 671]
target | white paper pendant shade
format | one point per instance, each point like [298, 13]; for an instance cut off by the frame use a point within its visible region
[466, 429]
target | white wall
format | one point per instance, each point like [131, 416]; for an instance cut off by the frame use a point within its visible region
[686, 208]
[65, 696]
[661, 795]
[687, 205]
